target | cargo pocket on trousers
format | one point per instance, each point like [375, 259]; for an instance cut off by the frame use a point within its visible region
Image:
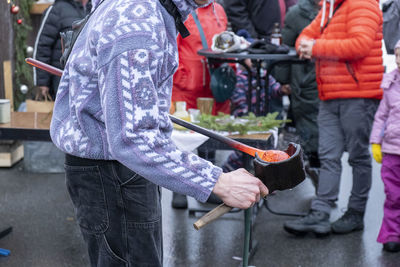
[85, 187]
[108, 257]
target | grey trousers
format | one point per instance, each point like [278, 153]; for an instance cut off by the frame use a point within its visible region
[344, 125]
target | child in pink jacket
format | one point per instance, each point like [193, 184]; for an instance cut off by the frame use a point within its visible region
[385, 140]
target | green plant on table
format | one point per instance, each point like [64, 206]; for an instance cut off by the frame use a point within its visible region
[243, 125]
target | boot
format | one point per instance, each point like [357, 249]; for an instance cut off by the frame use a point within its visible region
[352, 220]
[315, 221]
[391, 246]
[179, 201]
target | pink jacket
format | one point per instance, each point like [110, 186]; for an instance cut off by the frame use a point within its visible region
[386, 127]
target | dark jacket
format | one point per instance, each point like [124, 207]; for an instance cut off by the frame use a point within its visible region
[255, 16]
[297, 18]
[301, 77]
[57, 18]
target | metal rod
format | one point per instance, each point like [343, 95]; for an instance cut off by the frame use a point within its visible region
[247, 218]
[44, 66]
[226, 140]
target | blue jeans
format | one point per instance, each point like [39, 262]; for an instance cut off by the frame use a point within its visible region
[118, 211]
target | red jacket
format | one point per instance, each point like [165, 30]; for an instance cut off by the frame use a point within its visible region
[192, 79]
[349, 51]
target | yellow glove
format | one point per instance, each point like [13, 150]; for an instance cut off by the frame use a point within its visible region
[376, 152]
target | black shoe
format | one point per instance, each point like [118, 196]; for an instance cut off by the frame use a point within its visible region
[352, 220]
[316, 222]
[214, 199]
[179, 201]
[391, 246]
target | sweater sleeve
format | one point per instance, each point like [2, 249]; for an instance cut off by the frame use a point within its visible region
[44, 45]
[274, 87]
[138, 126]
[379, 126]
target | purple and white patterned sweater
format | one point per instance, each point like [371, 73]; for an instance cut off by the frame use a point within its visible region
[114, 96]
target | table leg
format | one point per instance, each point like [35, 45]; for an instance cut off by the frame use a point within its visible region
[258, 88]
[247, 233]
[249, 84]
[267, 95]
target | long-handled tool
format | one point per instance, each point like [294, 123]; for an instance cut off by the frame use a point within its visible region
[280, 175]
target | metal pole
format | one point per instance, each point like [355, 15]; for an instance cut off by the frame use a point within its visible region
[247, 218]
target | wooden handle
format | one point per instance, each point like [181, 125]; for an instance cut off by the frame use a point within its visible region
[211, 216]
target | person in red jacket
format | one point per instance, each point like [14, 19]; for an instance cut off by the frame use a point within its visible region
[192, 78]
[345, 39]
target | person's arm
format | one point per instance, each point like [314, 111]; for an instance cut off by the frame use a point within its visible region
[239, 189]
[311, 32]
[137, 126]
[238, 15]
[379, 125]
[378, 129]
[46, 38]
[363, 23]
[276, 89]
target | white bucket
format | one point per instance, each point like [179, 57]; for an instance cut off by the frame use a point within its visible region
[5, 110]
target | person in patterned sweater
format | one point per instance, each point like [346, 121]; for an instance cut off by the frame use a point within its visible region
[111, 118]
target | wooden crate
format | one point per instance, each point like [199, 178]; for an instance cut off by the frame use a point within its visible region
[10, 153]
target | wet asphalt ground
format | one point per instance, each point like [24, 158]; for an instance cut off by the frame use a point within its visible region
[45, 233]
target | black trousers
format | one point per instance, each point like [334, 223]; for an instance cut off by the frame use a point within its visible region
[118, 211]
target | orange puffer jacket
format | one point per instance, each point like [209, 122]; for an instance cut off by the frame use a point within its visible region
[348, 52]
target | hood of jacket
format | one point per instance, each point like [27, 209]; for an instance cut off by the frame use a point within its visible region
[335, 2]
[391, 78]
[328, 6]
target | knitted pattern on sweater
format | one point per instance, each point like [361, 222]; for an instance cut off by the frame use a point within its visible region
[115, 93]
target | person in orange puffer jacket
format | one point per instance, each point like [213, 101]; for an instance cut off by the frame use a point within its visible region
[345, 39]
[192, 78]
